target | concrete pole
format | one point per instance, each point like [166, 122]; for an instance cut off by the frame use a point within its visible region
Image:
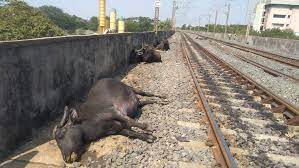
[227, 17]
[173, 16]
[198, 23]
[209, 22]
[157, 10]
[247, 21]
[248, 28]
[215, 24]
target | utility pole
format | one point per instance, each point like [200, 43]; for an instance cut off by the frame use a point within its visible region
[198, 23]
[248, 21]
[248, 27]
[174, 8]
[209, 22]
[157, 10]
[215, 25]
[227, 17]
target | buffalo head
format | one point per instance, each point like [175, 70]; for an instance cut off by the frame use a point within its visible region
[146, 54]
[69, 136]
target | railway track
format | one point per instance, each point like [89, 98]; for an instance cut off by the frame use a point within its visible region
[282, 59]
[222, 152]
[255, 136]
[266, 69]
[276, 103]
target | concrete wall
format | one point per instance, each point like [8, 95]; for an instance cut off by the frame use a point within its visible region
[285, 47]
[38, 76]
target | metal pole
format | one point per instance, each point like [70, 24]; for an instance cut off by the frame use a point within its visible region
[173, 15]
[209, 22]
[157, 10]
[227, 17]
[248, 28]
[248, 21]
[215, 25]
[198, 23]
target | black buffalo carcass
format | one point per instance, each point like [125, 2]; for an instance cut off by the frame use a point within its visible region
[109, 109]
[146, 54]
[163, 45]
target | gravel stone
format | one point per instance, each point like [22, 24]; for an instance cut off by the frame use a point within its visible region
[169, 122]
[287, 89]
[235, 109]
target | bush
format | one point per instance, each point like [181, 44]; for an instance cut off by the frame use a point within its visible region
[20, 21]
[277, 33]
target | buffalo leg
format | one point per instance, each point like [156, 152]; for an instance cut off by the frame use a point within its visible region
[135, 135]
[130, 122]
[143, 103]
[142, 93]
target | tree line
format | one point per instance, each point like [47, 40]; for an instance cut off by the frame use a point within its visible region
[241, 30]
[18, 21]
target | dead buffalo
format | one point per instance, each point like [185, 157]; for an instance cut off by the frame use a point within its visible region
[164, 45]
[108, 110]
[146, 54]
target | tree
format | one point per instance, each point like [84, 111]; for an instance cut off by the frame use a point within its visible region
[139, 24]
[131, 25]
[20, 21]
[184, 27]
[93, 23]
[277, 33]
[165, 25]
[241, 30]
[64, 20]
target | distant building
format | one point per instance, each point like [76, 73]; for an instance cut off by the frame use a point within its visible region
[282, 14]
[259, 15]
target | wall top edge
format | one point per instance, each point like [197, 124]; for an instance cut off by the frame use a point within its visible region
[49, 40]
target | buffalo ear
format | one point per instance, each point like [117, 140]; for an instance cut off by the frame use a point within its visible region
[65, 116]
[74, 117]
[58, 133]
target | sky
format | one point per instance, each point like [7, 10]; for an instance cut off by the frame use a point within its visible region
[189, 11]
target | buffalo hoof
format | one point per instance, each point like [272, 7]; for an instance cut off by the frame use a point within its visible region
[162, 97]
[144, 126]
[165, 102]
[150, 130]
[151, 139]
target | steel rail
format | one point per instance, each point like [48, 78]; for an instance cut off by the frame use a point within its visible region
[266, 69]
[226, 159]
[289, 109]
[285, 60]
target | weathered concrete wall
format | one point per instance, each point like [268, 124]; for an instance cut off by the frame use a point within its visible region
[284, 47]
[38, 76]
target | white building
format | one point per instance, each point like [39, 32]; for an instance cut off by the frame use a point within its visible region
[282, 14]
[259, 15]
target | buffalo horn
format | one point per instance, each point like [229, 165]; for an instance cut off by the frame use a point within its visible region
[65, 116]
[54, 130]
